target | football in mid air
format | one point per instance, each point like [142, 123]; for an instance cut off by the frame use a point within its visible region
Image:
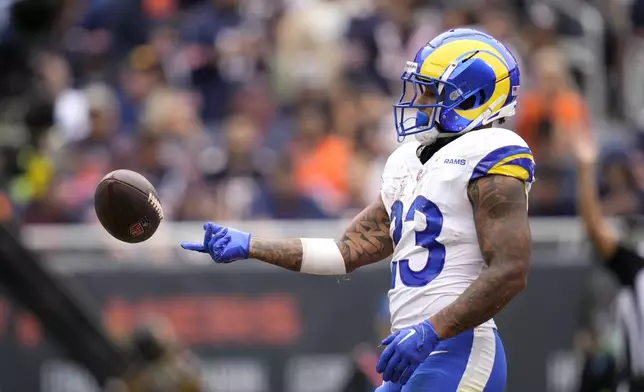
[128, 207]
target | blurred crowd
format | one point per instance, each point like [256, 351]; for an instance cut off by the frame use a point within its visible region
[281, 109]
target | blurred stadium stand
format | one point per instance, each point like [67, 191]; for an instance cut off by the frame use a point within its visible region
[274, 116]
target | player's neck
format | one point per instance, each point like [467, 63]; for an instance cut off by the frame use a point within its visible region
[425, 153]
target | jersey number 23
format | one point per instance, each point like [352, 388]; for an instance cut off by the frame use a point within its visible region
[424, 238]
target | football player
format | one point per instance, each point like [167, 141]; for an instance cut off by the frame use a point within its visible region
[452, 213]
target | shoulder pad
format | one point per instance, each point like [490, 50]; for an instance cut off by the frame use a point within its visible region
[499, 151]
[402, 160]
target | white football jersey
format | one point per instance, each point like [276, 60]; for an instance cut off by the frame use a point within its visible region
[436, 254]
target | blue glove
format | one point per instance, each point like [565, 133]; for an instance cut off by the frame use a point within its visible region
[224, 244]
[406, 349]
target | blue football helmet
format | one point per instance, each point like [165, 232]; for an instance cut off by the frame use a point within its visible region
[459, 81]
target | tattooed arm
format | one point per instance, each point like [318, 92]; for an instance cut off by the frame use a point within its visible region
[365, 241]
[500, 215]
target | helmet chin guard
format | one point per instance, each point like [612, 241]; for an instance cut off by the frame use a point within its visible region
[428, 135]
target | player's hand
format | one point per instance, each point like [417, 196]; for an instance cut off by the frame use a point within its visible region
[224, 244]
[406, 349]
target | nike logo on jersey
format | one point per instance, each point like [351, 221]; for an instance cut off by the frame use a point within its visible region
[437, 352]
[455, 161]
[409, 334]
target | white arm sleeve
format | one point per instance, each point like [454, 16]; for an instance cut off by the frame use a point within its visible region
[321, 256]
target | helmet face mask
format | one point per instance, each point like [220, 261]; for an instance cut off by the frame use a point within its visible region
[422, 93]
[461, 80]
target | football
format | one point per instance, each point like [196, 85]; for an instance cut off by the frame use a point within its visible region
[128, 207]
